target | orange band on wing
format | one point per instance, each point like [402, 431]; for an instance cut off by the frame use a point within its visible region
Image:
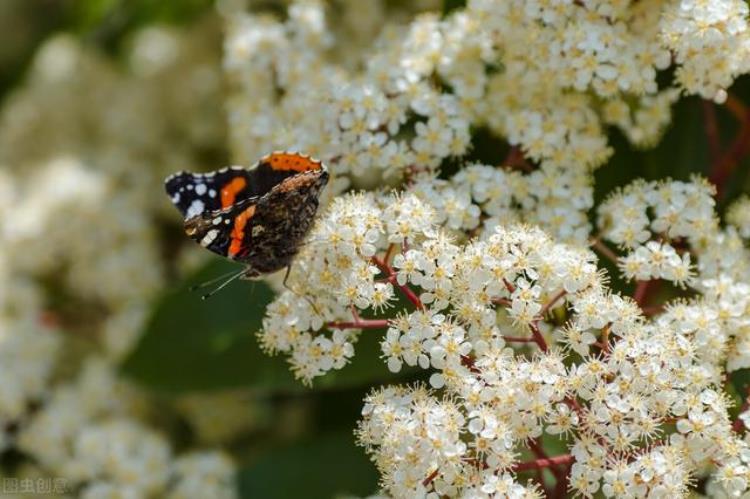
[229, 192]
[291, 161]
[238, 231]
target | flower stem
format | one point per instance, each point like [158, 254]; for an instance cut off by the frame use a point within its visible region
[538, 450]
[545, 462]
[359, 324]
[545, 308]
[711, 126]
[391, 274]
[738, 425]
[518, 339]
[604, 250]
[641, 292]
[538, 338]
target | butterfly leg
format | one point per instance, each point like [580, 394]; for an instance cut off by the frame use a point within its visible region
[286, 276]
[307, 298]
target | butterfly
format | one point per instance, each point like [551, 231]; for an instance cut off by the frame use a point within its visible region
[258, 216]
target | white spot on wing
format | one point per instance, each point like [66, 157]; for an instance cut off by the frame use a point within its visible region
[176, 198]
[209, 237]
[200, 189]
[196, 208]
[216, 221]
[212, 193]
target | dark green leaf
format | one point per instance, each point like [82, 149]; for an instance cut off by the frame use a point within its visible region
[740, 380]
[451, 5]
[320, 468]
[190, 344]
[193, 344]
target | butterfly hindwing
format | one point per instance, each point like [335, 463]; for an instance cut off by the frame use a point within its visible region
[223, 231]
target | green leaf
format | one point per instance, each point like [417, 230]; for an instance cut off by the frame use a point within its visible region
[321, 468]
[740, 381]
[193, 344]
[451, 5]
[366, 367]
[682, 152]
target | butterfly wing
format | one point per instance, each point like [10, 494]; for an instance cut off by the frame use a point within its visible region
[197, 193]
[257, 215]
[223, 231]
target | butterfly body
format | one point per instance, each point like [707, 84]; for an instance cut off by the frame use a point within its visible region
[258, 216]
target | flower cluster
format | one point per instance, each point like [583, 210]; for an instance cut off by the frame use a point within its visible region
[474, 135]
[81, 259]
[654, 221]
[523, 340]
[547, 77]
[739, 216]
[709, 40]
[480, 197]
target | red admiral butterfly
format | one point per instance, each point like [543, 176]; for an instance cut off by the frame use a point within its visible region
[258, 216]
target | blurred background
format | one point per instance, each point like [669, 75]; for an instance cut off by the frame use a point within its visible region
[115, 379]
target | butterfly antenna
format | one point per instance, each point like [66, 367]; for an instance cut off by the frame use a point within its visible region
[205, 284]
[223, 284]
[305, 297]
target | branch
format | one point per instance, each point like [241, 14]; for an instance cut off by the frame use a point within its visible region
[539, 452]
[359, 324]
[737, 424]
[604, 250]
[518, 339]
[711, 126]
[406, 290]
[641, 292]
[515, 159]
[545, 308]
[544, 463]
[538, 338]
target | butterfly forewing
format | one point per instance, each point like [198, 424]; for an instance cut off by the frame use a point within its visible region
[258, 216]
[196, 193]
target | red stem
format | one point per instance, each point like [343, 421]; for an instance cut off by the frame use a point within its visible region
[427, 481]
[712, 129]
[505, 302]
[516, 159]
[537, 464]
[604, 250]
[641, 292]
[544, 462]
[406, 290]
[538, 338]
[468, 362]
[539, 452]
[652, 310]
[359, 324]
[545, 308]
[737, 424]
[518, 339]
[388, 253]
